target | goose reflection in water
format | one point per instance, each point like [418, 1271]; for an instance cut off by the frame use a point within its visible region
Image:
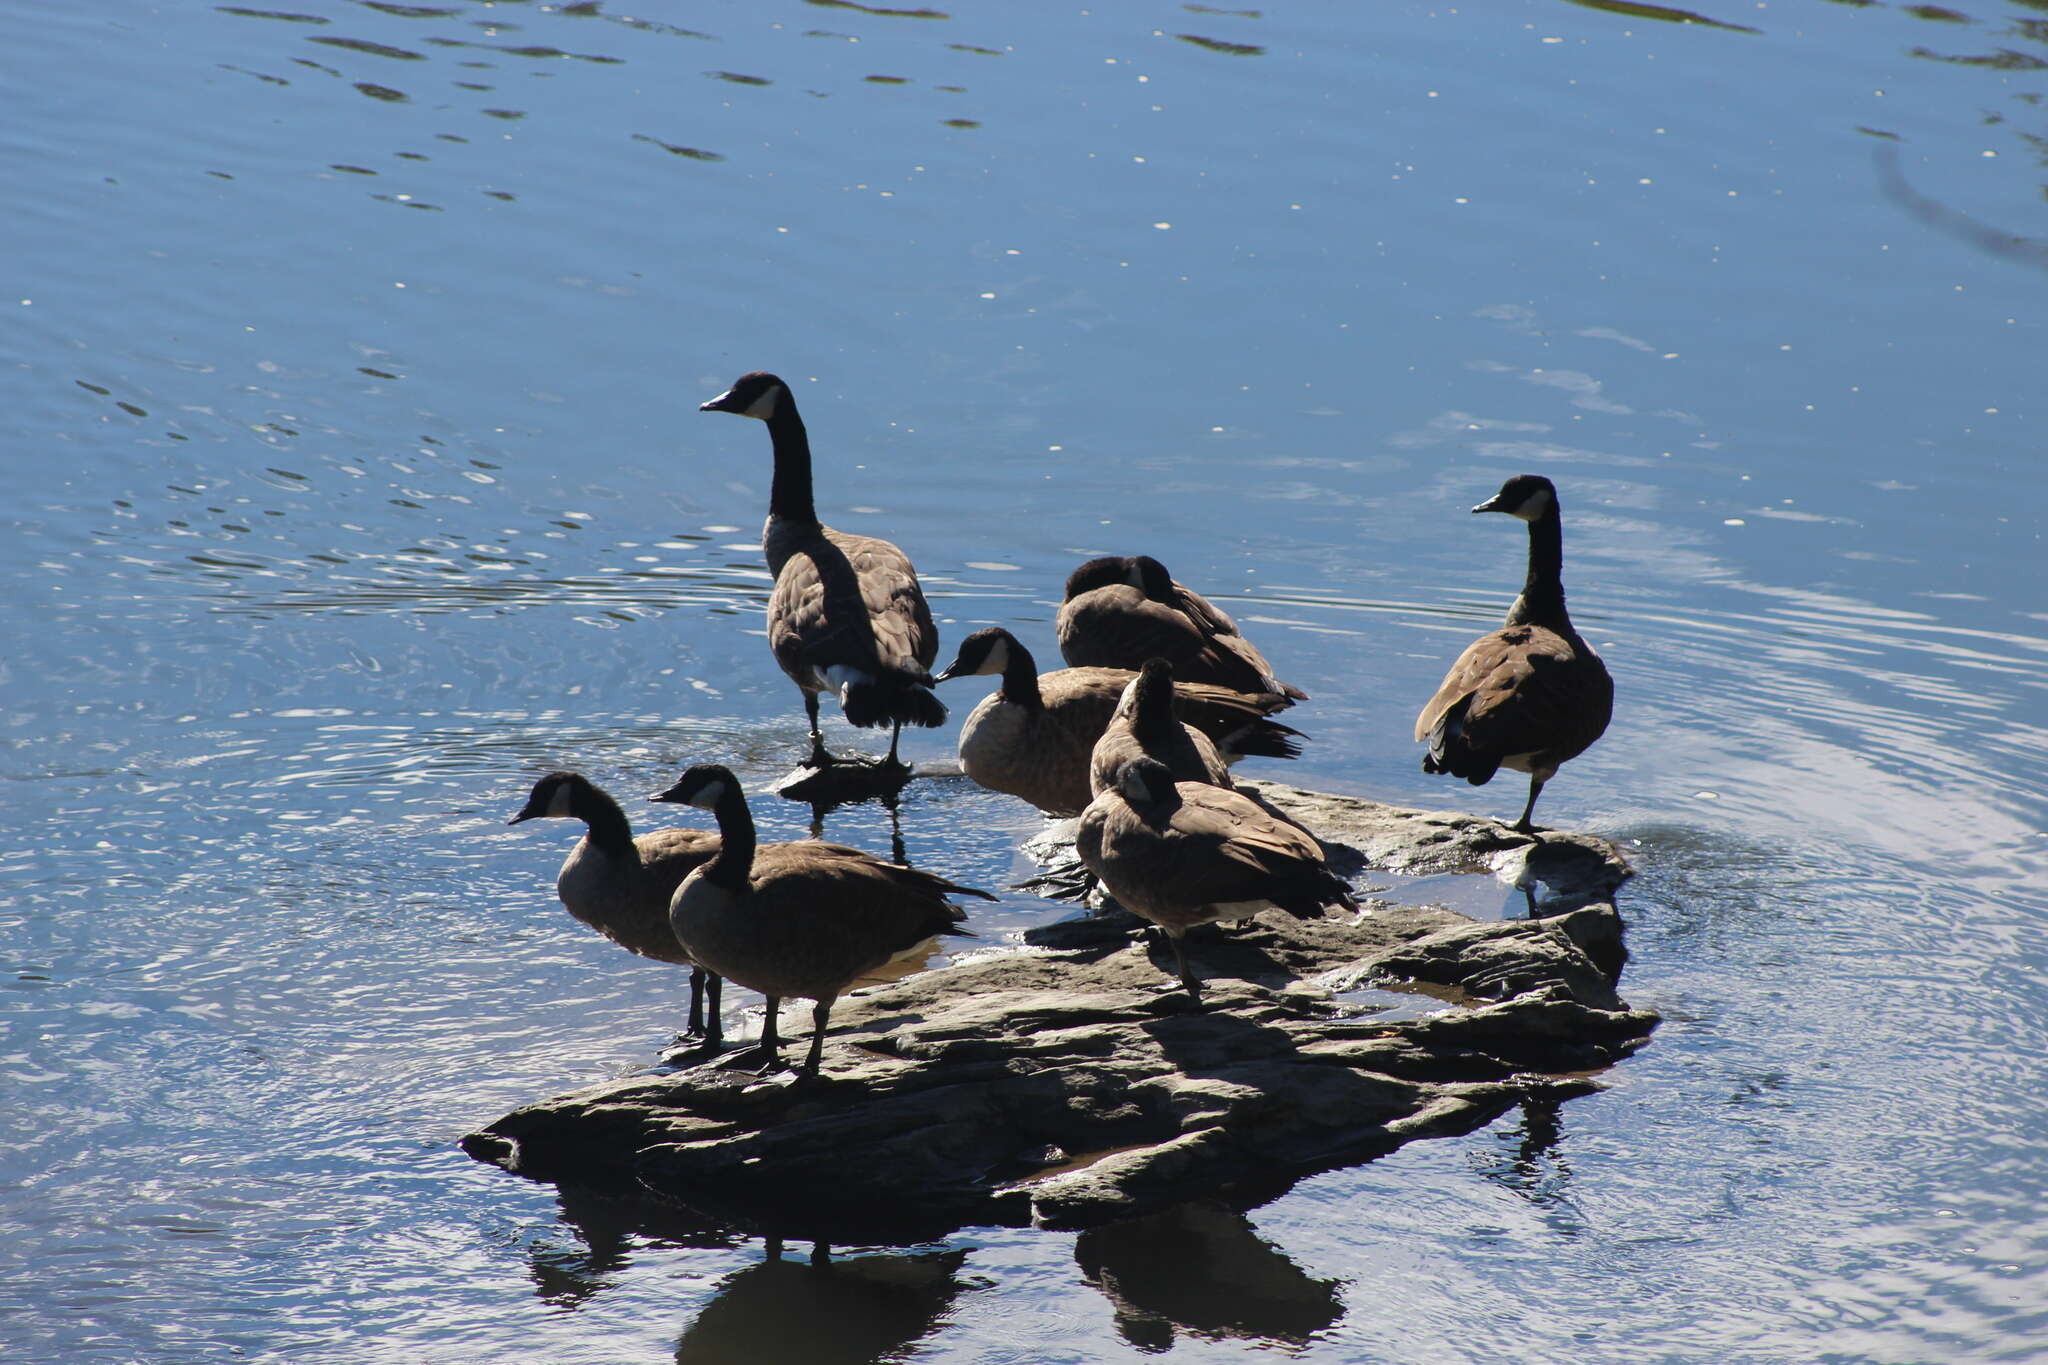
[611, 1228]
[1201, 1269]
[824, 1312]
[1533, 1167]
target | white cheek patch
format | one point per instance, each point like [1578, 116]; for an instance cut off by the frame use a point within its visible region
[998, 660]
[763, 408]
[1537, 503]
[708, 796]
[558, 803]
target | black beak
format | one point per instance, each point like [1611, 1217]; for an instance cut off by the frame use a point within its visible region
[718, 404]
[522, 816]
[1492, 504]
[667, 795]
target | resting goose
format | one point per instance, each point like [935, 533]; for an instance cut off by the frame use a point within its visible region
[847, 615]
[1532, 694]
[1033, 736]
[1122, 610]
[807, 918]
[1186, 853]
[621, 886]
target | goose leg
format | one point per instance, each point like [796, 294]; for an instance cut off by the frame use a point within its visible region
[894, 735]
[714, 1019]
[1535, 790]
[821, 1014]
[819, 758]
[771, 1041]
[1187, 975]
[696, 1025]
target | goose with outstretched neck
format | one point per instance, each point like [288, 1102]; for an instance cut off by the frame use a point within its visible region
[846, 615]
[1533, 694]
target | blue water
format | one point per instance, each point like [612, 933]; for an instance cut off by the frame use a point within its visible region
[351, 358]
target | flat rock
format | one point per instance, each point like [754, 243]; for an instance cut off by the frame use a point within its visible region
[1067, 1081]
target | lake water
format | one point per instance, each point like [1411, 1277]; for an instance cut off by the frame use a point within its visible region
[354, 477]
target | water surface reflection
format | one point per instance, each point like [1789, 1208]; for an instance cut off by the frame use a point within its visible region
[1199, 1268]
[828, 1310]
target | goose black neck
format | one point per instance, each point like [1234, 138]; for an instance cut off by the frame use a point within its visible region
[1152, 707]
[609, 828]
[735, 861]
[1020, 680]
[1542, 599]
[789, 498]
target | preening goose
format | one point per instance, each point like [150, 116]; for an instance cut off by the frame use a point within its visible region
[807, 918]
[1143, 726]
[1122, 610]
[1185, 853]
[847, 615]
[1532, 694]
[621, 886]
[1033, 736]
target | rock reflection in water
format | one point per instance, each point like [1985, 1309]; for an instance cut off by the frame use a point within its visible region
[1200, 1268]
[824, 1312]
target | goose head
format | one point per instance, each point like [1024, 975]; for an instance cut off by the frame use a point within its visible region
[1142, 572]
[985, 651]
[755, 395]
[1527, 496]
[1151, 690]
[703, 786]
[555, 796]
[1145, 781]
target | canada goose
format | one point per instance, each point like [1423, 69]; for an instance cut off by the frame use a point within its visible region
[1033, 736]
[847, 615]
[1143, 726]
[620, 885]
[1185, 853]
[1122, 610]
[806, 918]
[1532, 694]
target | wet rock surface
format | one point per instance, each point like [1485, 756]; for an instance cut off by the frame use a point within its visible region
[1067, 1081]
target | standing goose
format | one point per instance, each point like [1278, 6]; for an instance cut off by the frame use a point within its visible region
[807, 918]
[847, 615]
[1185, 853]
[1033, 736]
[621, 886]
[1532, 694]
[1122, 610]
[1144, 726]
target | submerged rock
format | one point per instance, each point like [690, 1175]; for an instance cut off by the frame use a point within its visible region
[1067, 1081]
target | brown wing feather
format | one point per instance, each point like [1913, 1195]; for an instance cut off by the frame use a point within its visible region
[1531, 690]
[852, 600]
[1119, 627]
